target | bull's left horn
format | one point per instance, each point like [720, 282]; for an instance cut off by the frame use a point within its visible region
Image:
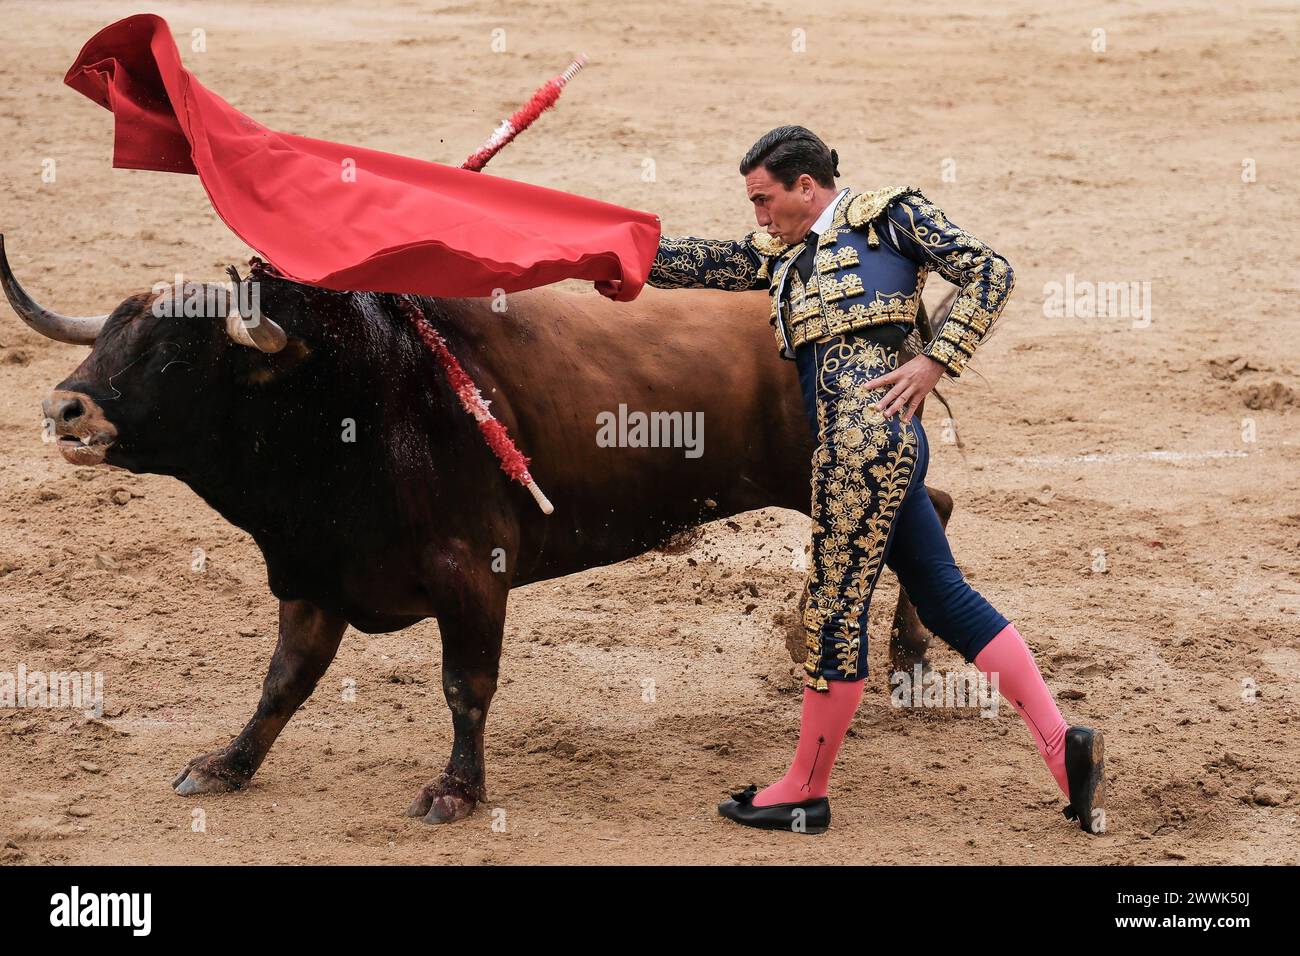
[75, 330]
[261, 334]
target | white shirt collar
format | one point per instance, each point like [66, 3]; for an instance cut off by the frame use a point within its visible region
[828, 214]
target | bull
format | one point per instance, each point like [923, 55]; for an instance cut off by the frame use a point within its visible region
[412, 518]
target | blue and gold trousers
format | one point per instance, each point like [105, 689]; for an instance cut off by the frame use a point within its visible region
[870, 510]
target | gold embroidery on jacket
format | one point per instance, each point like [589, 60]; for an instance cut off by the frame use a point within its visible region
[840, 259]
[767, 245]
[803, 298]
[759, 260]
[985, 279]
[816, 319]
[846, 285]
[782, 266]
[865, 207]
[833, 319]
[690, 263]
[832, 235]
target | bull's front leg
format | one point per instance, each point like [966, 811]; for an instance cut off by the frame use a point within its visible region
[471, 620]
[309, 639]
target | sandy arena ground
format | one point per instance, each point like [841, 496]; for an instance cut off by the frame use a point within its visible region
[1109, 498]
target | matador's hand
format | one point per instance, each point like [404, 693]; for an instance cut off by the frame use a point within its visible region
[911, 382]
[609, 288]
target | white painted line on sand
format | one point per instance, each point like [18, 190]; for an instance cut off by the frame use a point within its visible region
[1131, 456]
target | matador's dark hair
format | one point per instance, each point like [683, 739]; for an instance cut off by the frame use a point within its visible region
[789, 151]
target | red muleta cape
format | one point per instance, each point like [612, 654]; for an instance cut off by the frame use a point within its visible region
[403, 225]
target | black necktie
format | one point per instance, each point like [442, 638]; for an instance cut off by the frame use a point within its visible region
[804, 264]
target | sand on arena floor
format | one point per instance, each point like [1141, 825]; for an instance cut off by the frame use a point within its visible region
[1126, 494]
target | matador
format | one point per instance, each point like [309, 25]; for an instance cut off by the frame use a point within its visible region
[844, 271]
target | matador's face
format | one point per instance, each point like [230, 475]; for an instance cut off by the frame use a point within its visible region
[785, 212]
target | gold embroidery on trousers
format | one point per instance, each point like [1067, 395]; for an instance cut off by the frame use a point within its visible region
[861, 470]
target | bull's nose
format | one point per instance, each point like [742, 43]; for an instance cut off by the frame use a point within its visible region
[63, 410]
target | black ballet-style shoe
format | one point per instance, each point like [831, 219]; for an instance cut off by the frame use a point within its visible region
[1085, 772]
[806, 816]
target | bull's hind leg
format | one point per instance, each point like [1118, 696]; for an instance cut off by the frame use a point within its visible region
[309, 639]
[908, 637]
[471, 620]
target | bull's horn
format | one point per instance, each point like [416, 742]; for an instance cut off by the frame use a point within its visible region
[262, 334]
[75, 330]
[265, 335]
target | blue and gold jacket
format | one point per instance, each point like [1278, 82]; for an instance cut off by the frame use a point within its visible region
[869, 269]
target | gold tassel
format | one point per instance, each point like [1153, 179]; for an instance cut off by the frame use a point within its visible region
[872, 239]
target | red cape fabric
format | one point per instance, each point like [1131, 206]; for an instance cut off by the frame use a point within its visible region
[403, 225]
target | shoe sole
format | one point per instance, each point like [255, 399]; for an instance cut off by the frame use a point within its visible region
[809, 830]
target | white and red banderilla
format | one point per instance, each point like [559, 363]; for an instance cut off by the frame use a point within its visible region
[513, 462]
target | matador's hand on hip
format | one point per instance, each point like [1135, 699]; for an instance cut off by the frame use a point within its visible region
[910, 382]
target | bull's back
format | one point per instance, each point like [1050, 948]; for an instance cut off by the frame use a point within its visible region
[574, 369]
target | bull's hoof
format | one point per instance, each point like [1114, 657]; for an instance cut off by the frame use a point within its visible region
[446, 800]
[209, 773]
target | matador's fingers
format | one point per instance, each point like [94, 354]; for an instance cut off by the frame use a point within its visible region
[896, 400]
[913, 404]
[886, 379]
[892, 395]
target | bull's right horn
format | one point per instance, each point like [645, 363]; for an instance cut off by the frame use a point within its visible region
[75, 330]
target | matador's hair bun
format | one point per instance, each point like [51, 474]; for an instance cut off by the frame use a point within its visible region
[835, 163]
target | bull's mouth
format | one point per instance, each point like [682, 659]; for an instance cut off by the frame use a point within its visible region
[82, 431]
[85, 449]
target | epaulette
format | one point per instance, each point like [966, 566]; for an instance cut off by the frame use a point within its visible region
[767, 245]
[865, 207]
